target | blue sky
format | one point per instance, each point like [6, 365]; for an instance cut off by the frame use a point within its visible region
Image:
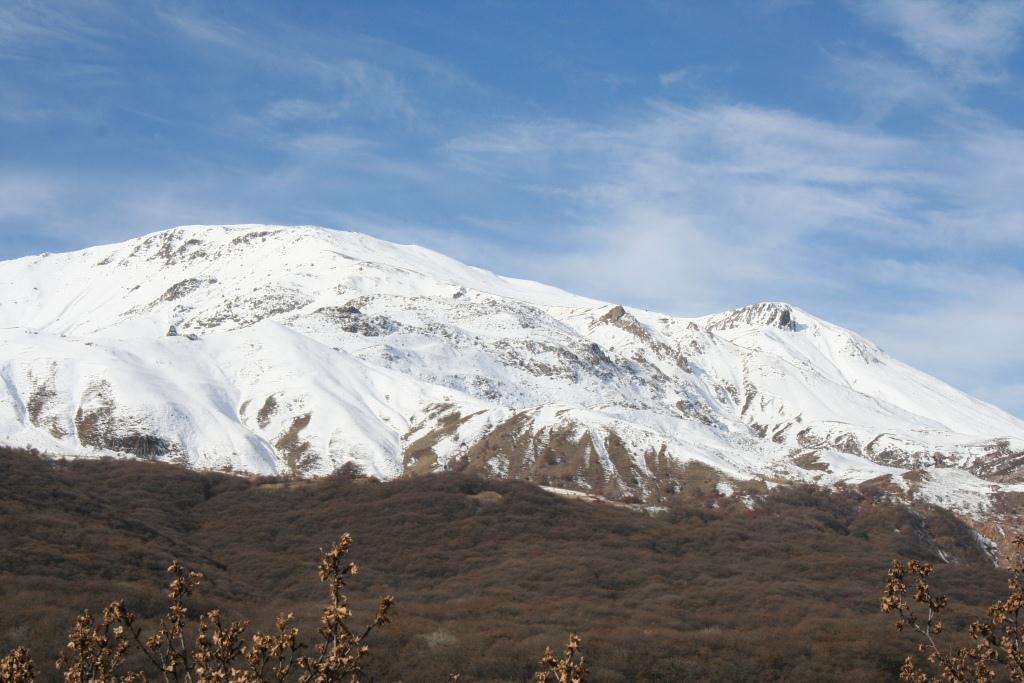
[863, 160]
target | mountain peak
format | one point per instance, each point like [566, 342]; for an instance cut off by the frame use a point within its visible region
[614, 314]
[773, 314]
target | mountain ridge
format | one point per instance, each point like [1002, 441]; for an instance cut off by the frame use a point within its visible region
[270, 349]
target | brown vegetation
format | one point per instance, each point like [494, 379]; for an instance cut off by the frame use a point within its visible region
[97, 651]
[488, 572]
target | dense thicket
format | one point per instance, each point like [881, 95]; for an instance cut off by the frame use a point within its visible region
[486, 573]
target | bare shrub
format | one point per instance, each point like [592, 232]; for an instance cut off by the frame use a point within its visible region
[996, 651]
[17, 667]
[571, 668]
[97, 650]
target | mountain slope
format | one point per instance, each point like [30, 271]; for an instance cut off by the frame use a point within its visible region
[655, 597]
[269, 349]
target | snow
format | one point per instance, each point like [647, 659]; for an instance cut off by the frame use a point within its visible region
[315, 348]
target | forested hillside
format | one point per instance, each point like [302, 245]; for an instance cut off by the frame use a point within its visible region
[487, 573]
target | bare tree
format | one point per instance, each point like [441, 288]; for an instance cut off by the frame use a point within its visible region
[996, 649]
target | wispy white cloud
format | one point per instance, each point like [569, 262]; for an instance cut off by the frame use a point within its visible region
[758, 169]
[967, 38]
[301, 108]
[670, 78]
[32, 34]
[882, 86]
[369, 85]
[326, 143]
[966, 329]
[23, 195]
[74, 211]
[26, 24]
[776, 6]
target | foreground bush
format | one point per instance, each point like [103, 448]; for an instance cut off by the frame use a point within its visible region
[997, 642]
[98, 649]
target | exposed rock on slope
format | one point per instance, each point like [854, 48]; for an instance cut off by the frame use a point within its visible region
[301, 349]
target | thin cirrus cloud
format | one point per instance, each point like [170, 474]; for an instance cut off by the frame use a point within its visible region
[356, 82]
[299, 108]
[670, 78]
[25, 24]
[689, 191]
[968, 38]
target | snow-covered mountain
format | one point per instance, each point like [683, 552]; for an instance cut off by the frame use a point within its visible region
[269, 349]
